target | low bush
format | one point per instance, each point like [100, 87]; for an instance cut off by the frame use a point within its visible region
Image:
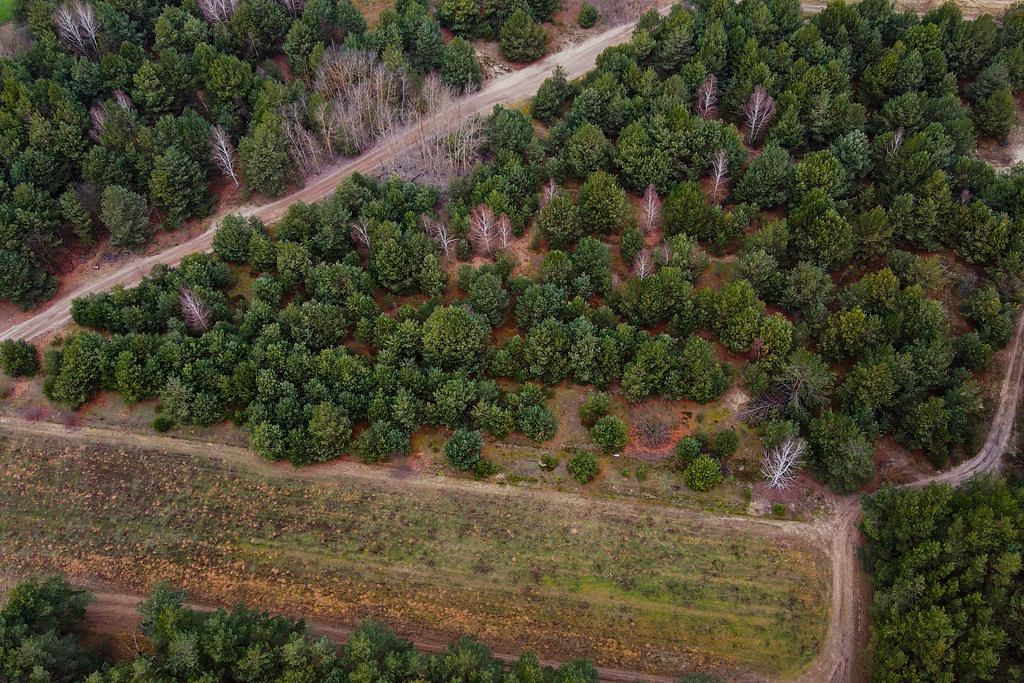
[610, 433]
[687, 450]
[463, 449]
[583, 467]
[18, 358]
[594, 407]
[703, 474]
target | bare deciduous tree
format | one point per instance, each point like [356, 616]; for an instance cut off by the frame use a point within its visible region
[439, 232]
[616, 12]
[758, 112]
[65, 21]
[303, 146]
[643, 264]
[707, 97]
[123, 100]
[483, 228]
[294, 7]
[651, 210]
[504, 230]
[361, 233]
[216, 11]
[549, 193]
[224, 156]
[780, 464]
[88, 24]
[99, 122]
[894, 142]
[198, 316]
[719, 176]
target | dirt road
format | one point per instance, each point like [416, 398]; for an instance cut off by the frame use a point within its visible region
[847, 630]
[513, 87]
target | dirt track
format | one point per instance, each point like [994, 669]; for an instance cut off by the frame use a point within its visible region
[847, 627]
[847, 630]
[512, 87]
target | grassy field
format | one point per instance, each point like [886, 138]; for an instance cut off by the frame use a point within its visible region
[629, 585]
[6, 10]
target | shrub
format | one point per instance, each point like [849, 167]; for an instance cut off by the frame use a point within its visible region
[610, 433]
[548, 462]
[18, 358]
[463, 449]
[726, 442]
[778, 509]
[588, 15]
[594, 407]
[162, 423]
[537, 423]
[583, 467]
[687, 450]
[484, 468]
[703, 474]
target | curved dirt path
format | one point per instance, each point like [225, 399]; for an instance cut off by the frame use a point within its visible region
[512, 87]
[847, 629]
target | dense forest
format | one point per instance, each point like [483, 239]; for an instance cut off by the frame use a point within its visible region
[41, 624]
[946, 566]
[118, 117]
[873, 264]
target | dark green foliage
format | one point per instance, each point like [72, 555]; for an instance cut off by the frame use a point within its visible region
[587, 150]
[126, 216]
[840, 452]
[963, 547]
[264, 157]
[588, 15]
[522, 38]
[594, 407]
[604, 207]
[703, 473]
[18, 358]
[463, 449]
[550, 97]
[177, 186]
[610, 433]
[583, 467]
[453, 338]
[40, 620]
[768, 180]
[559, 221]
[40, 624]
[995, 115]
[687, 449]
[459, 66]
[234, 236]
[725, 443]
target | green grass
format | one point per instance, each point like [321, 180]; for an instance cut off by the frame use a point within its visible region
[628, 585]
[6, 10]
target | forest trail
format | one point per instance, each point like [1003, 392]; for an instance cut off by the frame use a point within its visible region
[512, 87]
[848, 624]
